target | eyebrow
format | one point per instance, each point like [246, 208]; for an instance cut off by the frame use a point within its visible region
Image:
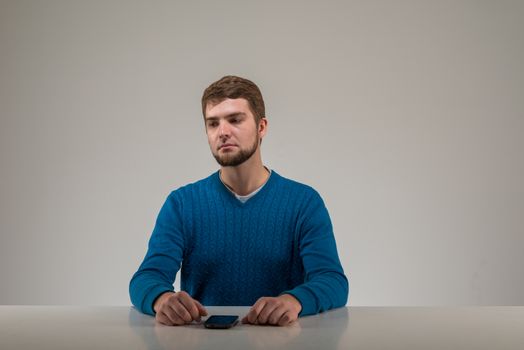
[232, 115]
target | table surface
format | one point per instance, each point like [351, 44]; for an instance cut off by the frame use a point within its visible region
[122, 327]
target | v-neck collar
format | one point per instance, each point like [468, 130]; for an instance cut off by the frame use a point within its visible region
[226, 192]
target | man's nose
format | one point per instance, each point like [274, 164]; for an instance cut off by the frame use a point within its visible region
[223, 130]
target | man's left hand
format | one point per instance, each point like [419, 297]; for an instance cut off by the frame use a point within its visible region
[282, 311]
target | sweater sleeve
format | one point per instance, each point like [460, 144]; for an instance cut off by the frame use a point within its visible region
[325, 285]
[157, 272]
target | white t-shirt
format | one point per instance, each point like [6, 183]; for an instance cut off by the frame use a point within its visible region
[245, 198]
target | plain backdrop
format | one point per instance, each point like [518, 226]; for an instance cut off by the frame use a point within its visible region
[406, 116]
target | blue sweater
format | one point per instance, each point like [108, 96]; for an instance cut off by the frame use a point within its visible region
[229, 253]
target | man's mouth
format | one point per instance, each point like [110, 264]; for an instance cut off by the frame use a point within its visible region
[227, 145]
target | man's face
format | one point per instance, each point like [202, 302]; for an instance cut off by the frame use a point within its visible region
[232, 132]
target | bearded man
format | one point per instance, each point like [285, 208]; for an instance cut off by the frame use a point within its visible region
[243, 236]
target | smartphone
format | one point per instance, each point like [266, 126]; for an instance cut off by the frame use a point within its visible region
[221, 321]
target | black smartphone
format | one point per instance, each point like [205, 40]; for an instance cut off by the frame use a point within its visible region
[221, 321]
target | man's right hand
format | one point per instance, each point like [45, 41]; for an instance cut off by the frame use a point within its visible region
[175, 309]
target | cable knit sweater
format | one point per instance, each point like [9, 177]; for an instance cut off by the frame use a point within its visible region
[232, 253]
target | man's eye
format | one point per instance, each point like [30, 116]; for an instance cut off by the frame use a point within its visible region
[212, 124]
[234, 121]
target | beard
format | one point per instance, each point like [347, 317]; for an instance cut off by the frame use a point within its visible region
[238, 158]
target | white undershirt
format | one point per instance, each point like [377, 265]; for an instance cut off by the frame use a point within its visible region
[245, 198]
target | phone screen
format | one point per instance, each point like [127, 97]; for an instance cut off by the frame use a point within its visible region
[221, 321]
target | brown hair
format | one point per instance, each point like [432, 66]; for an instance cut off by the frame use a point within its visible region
[233, 87]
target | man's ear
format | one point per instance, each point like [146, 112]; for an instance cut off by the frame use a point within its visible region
[262, 127]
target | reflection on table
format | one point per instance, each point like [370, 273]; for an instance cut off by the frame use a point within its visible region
[85, 327]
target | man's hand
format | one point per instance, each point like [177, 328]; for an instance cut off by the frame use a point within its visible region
[282, 311]
[175, 309]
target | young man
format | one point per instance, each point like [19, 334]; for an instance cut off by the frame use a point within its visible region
[244, 235]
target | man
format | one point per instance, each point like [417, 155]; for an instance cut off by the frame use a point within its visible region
[244, 235]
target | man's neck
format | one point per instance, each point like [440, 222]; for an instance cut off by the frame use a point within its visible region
[246, 177]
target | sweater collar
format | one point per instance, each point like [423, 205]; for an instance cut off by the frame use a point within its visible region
[224, 190]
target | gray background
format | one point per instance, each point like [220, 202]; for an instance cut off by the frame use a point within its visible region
[407, 117]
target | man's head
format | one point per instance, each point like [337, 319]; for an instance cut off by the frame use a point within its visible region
[234, 87]
[233, 111]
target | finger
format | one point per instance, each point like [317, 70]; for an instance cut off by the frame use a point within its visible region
[253, 313]
[164, 314]
[201, 308]
[267, 310]
[191, 306]
[170, 312]
[181, 311]
[276, 315]
[245, 319]
[168, 317]
[162, 318]
[286, 319]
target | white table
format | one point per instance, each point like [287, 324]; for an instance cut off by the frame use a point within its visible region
[85, 327]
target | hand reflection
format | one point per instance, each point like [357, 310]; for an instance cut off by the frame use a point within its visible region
[267, 336]
[188, 336]
[155, 335]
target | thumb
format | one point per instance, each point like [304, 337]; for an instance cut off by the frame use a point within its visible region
[201, 308]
